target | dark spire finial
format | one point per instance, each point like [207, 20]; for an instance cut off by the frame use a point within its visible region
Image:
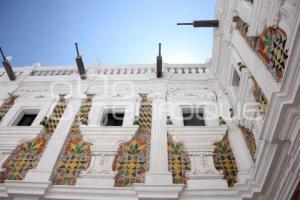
[80, 64]
[2, 54]
[77, 50]
[159, 62]
[7, 66]
[159, 49]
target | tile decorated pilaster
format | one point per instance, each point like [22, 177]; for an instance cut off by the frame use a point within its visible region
[132, 159]
[158, 172]
[27, 154]
[197, 167]
[76, 154]
[179, 161]
[44, 169]
[159, 180]
[6, 105]
[224, 160]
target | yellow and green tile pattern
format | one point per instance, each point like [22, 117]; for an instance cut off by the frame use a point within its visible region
[250, 140]
[259, 97]
[179, 161]
[224, 160]
[6, 106]
[132, 159]
[27, 154]
[270, 47]
[76, 155]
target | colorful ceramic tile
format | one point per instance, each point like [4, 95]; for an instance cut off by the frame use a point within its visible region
[224, 161]
[132, 159]
[27, 155]
[250, 140]
[179, 161]
[243, 28]
[259, 97]
[270, 46]
[76, 155]
[6, 106]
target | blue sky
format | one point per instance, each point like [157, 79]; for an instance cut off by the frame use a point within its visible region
[111, 31]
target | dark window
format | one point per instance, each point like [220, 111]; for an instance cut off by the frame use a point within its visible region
[193, 117]
[113, 119]
[235, 78]
[27, 120]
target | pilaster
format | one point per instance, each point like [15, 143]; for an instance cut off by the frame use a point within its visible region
[158, 172]
[241, 152]
[37, 181]
[47, 162]
[159, 181]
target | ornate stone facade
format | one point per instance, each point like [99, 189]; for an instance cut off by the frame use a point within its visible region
[152, 154]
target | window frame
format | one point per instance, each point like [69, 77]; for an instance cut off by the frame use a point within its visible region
[22, 112]
[197, 107]
[107, 110]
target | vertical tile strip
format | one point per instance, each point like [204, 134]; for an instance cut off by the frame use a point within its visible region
[259, 97]
[76, 155]
[179, 161]
[132, 159]
[224, 160]
[250, 140]
[6, 106]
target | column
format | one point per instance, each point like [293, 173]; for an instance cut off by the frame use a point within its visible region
[159, 181]
[37, 181]
[240, 150]
[158, 172]
[43, 171]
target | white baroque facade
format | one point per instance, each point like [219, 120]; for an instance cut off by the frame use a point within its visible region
[246, 146]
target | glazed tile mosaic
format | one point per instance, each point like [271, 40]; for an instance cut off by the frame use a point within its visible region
[76, 155]
[6, 106]
[132, 160]
[250, 140]
[259, 97]
[224, 160]
[27, 154]
[270, 46]
[179, 161]
[243, 28]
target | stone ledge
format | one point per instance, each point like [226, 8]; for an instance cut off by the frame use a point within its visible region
[3, 190]
[151, 192]
[26, 188]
